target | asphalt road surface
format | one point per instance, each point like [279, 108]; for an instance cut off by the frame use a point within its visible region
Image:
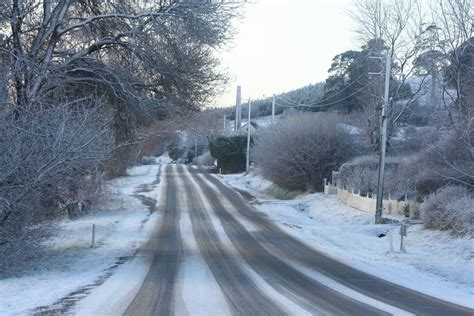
[214, 254]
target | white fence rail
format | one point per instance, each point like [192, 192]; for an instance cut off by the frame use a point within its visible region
[367, 203]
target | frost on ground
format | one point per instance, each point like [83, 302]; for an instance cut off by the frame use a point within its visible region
[436, 262]
[252, 183]
[72, 268]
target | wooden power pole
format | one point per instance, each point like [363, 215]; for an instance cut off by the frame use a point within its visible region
[383, 141]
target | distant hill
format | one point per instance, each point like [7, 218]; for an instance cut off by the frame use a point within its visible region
[263, 107]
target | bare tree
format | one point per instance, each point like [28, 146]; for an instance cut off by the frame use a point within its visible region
[396, 26]
[132, 51]
[49, 159]
[85, 83]
[454, 20]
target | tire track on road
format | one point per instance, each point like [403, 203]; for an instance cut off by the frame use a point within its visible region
[156, 296]
[241, 292]
[284, 278]
[282, 244]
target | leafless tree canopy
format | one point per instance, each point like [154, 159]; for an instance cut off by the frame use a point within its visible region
[434, 49]
[82, 81]
[139, 53]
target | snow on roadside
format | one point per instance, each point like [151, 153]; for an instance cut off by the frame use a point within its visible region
[436, 263]
[72, 265]
[253, 183]
[164, 159]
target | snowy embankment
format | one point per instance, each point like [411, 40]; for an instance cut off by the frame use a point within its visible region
[435, 262]
[124, 221]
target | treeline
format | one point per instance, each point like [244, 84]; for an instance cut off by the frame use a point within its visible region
[82, 87]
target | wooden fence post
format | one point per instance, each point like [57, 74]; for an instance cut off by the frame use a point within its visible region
[93, 236]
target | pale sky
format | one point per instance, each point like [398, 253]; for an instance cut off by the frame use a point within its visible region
[286, 44]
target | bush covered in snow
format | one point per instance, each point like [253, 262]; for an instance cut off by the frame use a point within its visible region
[361, 174]
[300, 150]
[49, 158]
[451, 207]
[437, 161]
[204, 160]
[447, 161]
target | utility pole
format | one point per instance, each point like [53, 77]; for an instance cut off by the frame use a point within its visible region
[273, 109]
[225, 116]
[383, 141]
[238, 108]
[247, 164]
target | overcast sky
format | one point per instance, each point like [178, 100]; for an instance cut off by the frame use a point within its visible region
[286, 44]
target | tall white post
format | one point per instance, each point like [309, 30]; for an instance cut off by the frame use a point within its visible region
[247, 165]
[383, 141]
[238, 108]
[273, 110]
[225, 116]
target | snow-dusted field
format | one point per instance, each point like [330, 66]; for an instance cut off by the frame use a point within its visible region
[435, 262]
[122, 222]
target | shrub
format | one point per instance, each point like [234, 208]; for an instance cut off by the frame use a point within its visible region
[176, 147]
[412, 139]
[451, 207]
[445, 162]
[462, 219]
[205, 160]
[361, 174]
[147, 160]
[442, 160]
[300, 150]
[229, 152]
[48, 159]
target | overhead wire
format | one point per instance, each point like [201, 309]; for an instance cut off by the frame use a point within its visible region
[339, 92]
[319, 105]
[328, 98]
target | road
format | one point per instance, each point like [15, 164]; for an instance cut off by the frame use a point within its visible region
[214, 254]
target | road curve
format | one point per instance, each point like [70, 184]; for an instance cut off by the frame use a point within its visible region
[257, 268]
[297, 286]
[241, 292]
[282, 244]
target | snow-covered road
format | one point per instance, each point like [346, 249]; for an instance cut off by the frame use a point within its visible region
[214, 254]
[204, 250]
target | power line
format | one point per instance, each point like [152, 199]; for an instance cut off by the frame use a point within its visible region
[319, 105]
[339, 92]
[321, 101]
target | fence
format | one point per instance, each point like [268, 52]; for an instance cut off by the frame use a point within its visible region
[367, 203]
